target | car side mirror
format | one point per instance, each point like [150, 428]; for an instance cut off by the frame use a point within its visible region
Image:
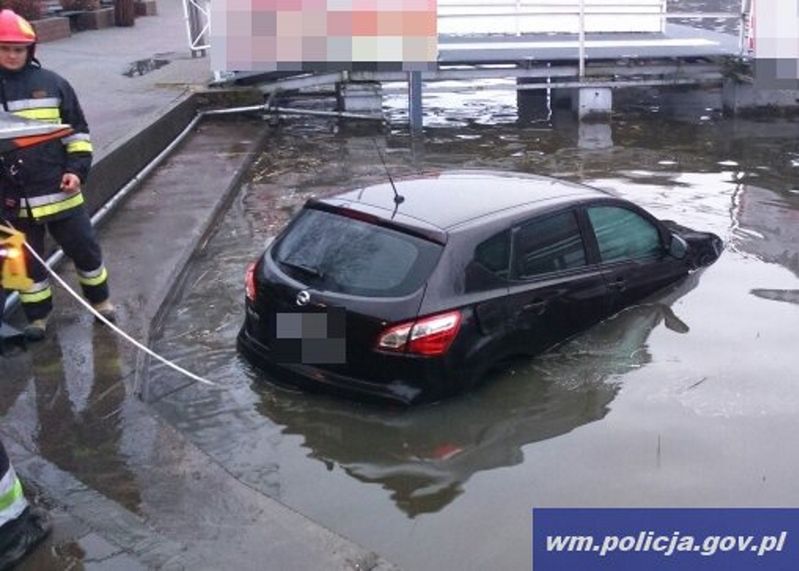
[678, 247]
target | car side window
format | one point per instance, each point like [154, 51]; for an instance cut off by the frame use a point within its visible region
[622, 234]
[494, 254]
[549, 244]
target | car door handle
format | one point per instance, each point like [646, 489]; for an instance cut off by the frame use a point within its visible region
[538, 306]
[618, 284]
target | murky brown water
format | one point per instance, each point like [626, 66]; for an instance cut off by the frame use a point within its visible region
[687, 400]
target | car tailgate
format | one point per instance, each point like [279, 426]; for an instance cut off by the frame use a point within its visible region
[329, 330]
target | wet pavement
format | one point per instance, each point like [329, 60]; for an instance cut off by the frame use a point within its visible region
[128, 490]
[687, 399]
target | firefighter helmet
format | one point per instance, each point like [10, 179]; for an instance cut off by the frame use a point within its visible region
[14, 29]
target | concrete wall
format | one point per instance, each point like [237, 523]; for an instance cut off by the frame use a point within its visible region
[122, 162]
[744, 98]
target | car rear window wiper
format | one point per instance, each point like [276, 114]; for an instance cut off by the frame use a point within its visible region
[315, 272]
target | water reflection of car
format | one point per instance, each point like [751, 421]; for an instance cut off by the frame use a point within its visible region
[415, 291]
[424, 456]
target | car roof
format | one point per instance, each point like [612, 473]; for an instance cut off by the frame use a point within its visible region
[450, 198]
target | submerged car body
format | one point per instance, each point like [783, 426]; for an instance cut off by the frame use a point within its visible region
[414, 291]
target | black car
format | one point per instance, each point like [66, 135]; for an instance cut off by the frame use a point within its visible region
[413, 291]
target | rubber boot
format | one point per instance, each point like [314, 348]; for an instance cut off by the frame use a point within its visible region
[36, 329]
[20, 536]
[107, 310]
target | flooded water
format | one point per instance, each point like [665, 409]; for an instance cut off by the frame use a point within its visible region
[688, 399]
[717, 24]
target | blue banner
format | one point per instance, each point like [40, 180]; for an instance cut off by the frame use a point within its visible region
[655, 539]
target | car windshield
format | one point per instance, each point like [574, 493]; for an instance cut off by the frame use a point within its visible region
[347, 255]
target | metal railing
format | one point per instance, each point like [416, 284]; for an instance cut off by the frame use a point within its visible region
[520, 17]
[198, 24]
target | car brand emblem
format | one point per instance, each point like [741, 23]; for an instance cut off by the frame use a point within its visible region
[303, 297]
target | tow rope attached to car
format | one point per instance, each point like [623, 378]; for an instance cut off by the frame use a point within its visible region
[113, 326]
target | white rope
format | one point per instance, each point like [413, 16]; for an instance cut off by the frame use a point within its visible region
[113, 327]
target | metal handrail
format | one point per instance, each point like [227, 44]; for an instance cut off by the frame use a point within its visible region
[697, 15]
[516, 9]
[519, 8]
[198, 24]
[532, 4]
[581, 62]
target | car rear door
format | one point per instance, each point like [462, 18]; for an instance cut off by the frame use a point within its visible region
[629, 245]
[555, 290]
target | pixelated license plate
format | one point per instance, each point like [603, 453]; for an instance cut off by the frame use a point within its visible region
[312, 338]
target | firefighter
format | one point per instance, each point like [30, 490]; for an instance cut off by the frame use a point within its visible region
[22, 526]
[42, 184]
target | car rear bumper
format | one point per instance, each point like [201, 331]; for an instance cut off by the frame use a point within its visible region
[316, 378]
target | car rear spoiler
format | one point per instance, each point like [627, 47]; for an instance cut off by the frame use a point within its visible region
[428, 233]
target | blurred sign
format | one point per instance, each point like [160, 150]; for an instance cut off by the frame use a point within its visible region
[323, 35]
[774, 41]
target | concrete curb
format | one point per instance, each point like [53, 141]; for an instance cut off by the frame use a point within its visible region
[121, 161]
[344, 553]
[177, 279]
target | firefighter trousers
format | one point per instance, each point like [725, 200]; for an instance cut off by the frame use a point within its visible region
[76, 237]
[12, 500]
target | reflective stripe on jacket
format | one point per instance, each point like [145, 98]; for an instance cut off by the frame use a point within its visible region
[43, 95]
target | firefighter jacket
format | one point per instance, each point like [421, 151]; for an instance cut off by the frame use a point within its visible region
[32, 187]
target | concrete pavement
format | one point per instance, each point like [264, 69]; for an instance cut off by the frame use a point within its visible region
[95, 63]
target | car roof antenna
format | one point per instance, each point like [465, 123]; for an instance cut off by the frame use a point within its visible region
[398, 198]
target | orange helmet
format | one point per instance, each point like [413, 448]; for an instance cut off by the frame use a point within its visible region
[14, 29]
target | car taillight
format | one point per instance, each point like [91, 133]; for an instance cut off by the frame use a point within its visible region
[427, 336]
[249, 281]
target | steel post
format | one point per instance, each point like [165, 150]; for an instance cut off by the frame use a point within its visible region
[415, 101]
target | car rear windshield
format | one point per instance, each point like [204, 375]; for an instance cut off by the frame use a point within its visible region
[347, 255]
